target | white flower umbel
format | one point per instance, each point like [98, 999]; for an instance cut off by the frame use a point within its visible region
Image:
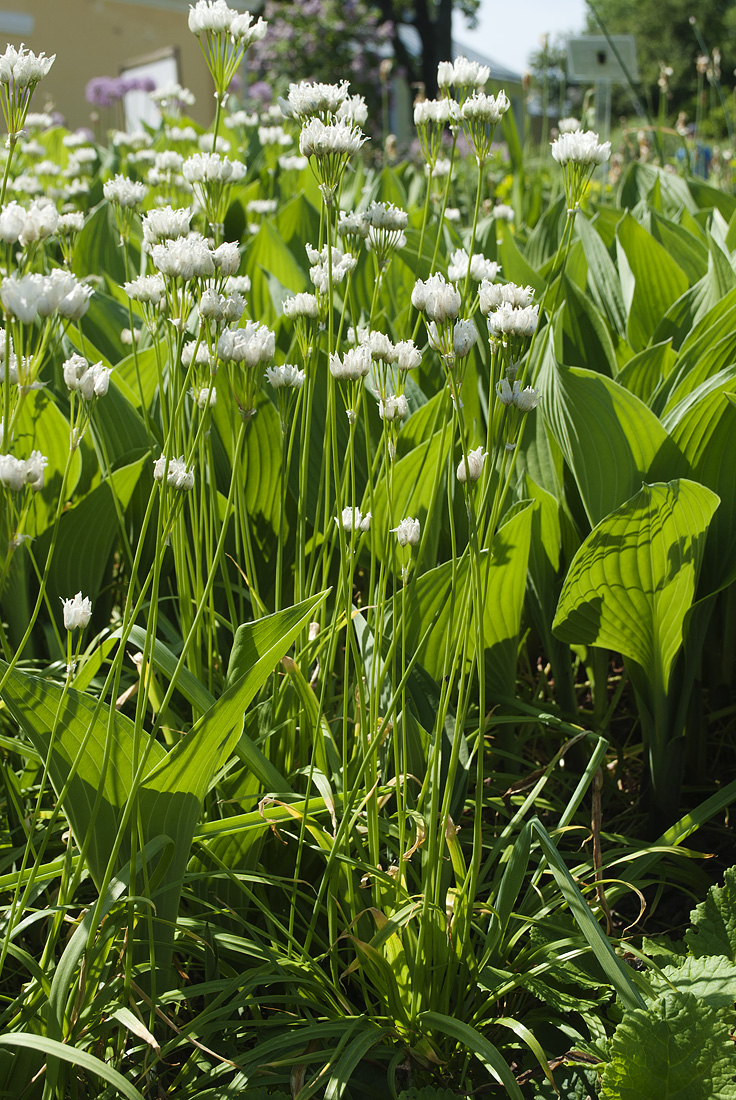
[525, 400]
[352, 519]
[41, 221]
[319, 272]
[310, 99]
[481, 114]
[211, 177]
[408, 356]
[147, 289]
[464, 337]
[20, 72]
[509, 325]
[88, 381]
[472, 470]
[124, 192]
[353, 365]
[286, 376]
[437, 299]
[224, 35]
[184, 258]
[386, 224]
[301, 305]
[353, 227]
[578, 153]
[431, 116]
[328, 146]
[16, 473]
[165, 224]
[12, 220]
[493, 295]
[77, 612]
[408, 531]
[354, 110]
[250, 345]
[204, 396]
[178, 475]
[393, 407]
[568, 125]
[480, 267]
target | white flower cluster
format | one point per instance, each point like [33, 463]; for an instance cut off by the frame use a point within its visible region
[22, 68]
[580, 147]
[353, 365]
[178, 475]
[473, 468]
[310, 99]
[386, 225]
[295, 163]
[29, 296]
[525, 400]
[249, 345]
[464, 338]
[352, 519]
[165, 223]
[262, 207]
[353, 110]
[16, 473]
[439, 300]
[147, 289]
[133, 140]
[441, 112]
[287, 376]
[462, 74]
[204, 396]
[480, 267]
[493, 295]
[485, 108]
[172, 95]
[502, 213]
[568, 125]
[215, 17]
[342, 263]
[77, 612]
[273, 135]
[212, 168]
[184, 258]
[511, 322]
[300, 305]
[124, 192]
[38, 222]
[353, 223]
[330, 139]
[199, 352]
[393, 407]
[407, 533]
[221, 308]
[88, 381]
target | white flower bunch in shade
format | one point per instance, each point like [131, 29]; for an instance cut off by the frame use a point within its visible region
[578, 153]
[293, 163]
[77, 612]
[180, 135]
[165, 223]
[224, 35]
[124, 192]
[481, 114]
[168, 161]
[352, 519]
[17, 473]
[408, 356]
[408, 531]
[379, 343]
[28, 296]
[46, 168]
[431, 116]
[568, 125]
[20, 72]
[39, 120]
[342, 263]
[353, 226]
[286, 376]
[32, 148]
[70, 223]
[493, 295]
[221, 308]
[262, 207]
[508, 323]
[436, 298]
[204, 396]
[502, 212]
[201, 355]
[457, 342]
[250, 345]
[480, 267]
[40, 222]
[386, 225]
[524, 400]
[212, 168]
[88, 381]
[473, 468]
[227, 261]
[393, 407]
[301, 305]
[328, 146]
[178, 475]
[133, 140]
[184, 258]
[274, 135]
[353, 365]
[147, 289]
[463, 75]
[353, 110]
[311, 99]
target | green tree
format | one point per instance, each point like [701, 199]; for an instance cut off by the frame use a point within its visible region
[432, 21]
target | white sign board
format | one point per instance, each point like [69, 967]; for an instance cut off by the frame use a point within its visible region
[593, 59]
[138, 105]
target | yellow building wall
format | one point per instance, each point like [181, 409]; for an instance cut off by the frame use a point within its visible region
[96, 37]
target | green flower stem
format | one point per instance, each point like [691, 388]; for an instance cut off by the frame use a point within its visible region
[478, 196]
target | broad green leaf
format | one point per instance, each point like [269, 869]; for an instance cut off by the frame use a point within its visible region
[125, 372]
[581, 334]
[604, 285]
[686, 250]
[712, 979]
[260, 462]
[633, 580]
[713, 921]
[644, 372]
[677, 1049]
[414, 484]
[268, 254]
[610, 439]
[42, 426]
[651, 280]
[515, 267]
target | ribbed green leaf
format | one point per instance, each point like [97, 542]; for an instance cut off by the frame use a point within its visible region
[651, 280]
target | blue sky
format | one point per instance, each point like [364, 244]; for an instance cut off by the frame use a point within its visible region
[509, 31]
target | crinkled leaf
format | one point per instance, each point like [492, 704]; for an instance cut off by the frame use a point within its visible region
[713, 930]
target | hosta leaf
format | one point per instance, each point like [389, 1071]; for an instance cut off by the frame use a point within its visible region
[42, 426]
[713, 930]
[604, 285]
[677, 1049]
[651, 280]
[644, 372]
[633, 580]
[610, 439]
